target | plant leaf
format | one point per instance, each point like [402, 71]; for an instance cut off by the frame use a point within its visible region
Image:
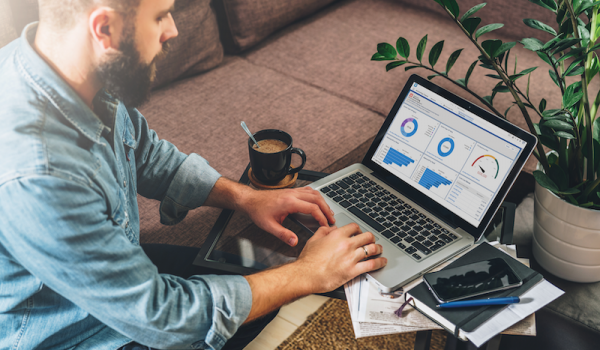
[411, 67]
[564, 134]
[505, 47]
[403, 47]
[471, 24]
[469, 71]
[494, 76]
[386, 50]
[554, 77]
[452, 6]
[471, 12]
[547, 4]
[491, 46]
[461, 82]
[565, 44]
[500, 88]
[435, 52]
[558, 125]
[535, 24]
[532, 44]
[393, 65]
[544, 57]
[545, 181]
[542, 105]
[571, 53]
[577, 71]
[572, 95]
[379, 57]
[552, 43]
[506, 112]
[488, 28]
[489, 100]
[452, 59]
[421, 48]
[582, 6]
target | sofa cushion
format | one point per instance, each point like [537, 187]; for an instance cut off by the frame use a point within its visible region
[246, 22]
[202, 114]
[197, 48]
[332, 50]
[7, 29]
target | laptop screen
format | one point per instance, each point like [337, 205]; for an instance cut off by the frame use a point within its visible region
[451, 155]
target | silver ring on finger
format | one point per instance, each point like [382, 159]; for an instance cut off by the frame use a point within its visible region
[365, 249]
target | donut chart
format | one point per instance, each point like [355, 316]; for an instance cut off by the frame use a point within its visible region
[445, 147]
[409, 127]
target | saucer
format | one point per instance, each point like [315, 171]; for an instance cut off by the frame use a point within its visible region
[288, 181]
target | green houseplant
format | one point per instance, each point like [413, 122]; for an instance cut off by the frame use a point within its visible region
[570, 170]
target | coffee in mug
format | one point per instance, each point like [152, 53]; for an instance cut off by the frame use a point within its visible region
[271, 162]
[270, 146]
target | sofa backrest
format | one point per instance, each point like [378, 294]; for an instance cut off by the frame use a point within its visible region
[196, 49]
[244, 23]
[509, 12]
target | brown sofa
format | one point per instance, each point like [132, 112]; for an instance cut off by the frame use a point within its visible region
[298, 65]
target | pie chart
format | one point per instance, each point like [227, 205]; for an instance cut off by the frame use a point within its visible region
[445, 147]
[409, 127]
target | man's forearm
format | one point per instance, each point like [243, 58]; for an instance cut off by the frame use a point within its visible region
[271, 289]
[227, 194]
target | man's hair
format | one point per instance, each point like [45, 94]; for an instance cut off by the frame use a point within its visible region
[61, 15]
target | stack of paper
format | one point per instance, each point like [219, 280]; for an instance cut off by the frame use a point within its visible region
[373, 313]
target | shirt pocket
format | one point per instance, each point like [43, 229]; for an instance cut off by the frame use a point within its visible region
[130, 144]
[118, 206]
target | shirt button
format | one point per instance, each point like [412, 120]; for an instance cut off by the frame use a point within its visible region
[124, 183]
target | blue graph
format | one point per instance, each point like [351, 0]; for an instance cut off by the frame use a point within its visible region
[394, 156]
[431, 178]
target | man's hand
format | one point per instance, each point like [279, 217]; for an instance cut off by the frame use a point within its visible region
[268, 209]
[332, 257]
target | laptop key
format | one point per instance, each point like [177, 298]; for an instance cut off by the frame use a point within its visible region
[422, 248]
[395, 239]
[325, 189]
[413, 233]
[334, 187]
[409, 239]
[360, 205]
[363, 199]
[366, 218]
[394, 229]
[345, 204]
[354, 201]
[342, 184]
[331, 194]
[416, 256]
[338, 198]
[387, 224]
[401, 234]
[347, 196]
[410, 250]
[354, 176]
[445, 238]
[401, 245]
[348, 180]
[387, 234]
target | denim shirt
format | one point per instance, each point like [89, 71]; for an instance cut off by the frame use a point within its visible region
[72, 273]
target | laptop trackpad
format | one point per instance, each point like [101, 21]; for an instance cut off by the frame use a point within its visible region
[342, 219]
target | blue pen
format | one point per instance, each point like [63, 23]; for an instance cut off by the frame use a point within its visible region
[480, 302]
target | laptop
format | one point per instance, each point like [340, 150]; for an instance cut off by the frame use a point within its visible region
[431, 182]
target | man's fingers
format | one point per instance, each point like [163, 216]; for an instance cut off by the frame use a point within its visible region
[284, 234]
[314, 196]
[370, 265]
[366, 251]
[314, 210]
[363, 239]
[323, 231]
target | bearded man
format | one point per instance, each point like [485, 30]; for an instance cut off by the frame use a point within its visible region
[76, 152]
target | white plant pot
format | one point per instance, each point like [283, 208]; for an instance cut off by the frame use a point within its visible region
[566, 238]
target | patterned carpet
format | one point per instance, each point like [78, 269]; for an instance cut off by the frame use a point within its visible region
[330, 327]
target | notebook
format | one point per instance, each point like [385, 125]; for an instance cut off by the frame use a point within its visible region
[460, 320]
[431, 181]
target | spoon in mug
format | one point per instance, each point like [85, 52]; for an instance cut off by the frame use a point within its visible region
[249, 134]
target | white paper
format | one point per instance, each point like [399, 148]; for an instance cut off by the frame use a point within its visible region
[534, 299]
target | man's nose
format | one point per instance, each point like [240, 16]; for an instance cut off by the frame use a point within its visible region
[171, 30]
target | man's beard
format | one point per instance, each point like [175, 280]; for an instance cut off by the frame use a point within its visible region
[125, 77]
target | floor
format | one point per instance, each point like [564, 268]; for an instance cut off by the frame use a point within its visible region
[290, 317]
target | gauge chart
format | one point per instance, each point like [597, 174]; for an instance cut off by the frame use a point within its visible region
[486, 166]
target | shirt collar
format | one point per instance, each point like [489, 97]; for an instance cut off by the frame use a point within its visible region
[58, 92]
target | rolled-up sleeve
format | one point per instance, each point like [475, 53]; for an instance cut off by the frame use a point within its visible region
[60, 232]
[181, 182]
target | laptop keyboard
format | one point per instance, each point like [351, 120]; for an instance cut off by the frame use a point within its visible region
[393, 218]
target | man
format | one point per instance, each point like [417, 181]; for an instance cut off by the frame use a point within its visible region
[75, 152]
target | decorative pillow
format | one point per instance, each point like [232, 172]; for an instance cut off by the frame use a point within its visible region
[7, 29]
[197, 48]
[246, 22]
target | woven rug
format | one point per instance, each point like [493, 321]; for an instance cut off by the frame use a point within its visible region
[330, 327]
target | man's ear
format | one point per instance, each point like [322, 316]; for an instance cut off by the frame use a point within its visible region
[105, 26]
